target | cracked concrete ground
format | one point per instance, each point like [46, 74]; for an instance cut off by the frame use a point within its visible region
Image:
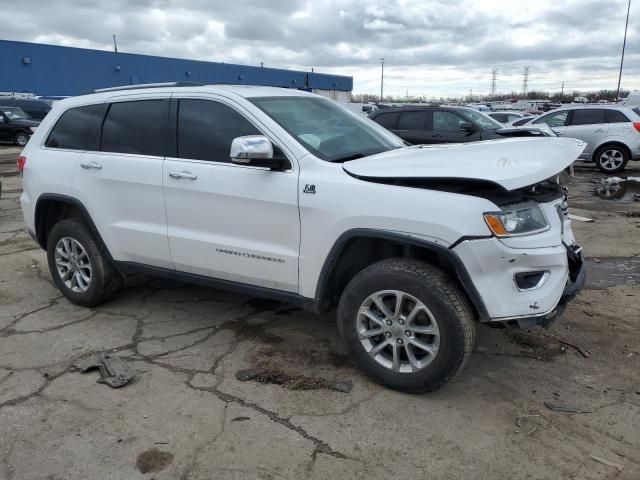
[186, 416]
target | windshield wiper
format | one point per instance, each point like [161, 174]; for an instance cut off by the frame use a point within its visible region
[346, 158]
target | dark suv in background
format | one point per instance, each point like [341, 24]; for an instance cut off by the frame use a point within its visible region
[15, 125]
[34, 107]
[444, 124]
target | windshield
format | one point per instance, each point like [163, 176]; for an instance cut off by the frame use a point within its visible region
[15, 113]
[481, 119]
[326, 129]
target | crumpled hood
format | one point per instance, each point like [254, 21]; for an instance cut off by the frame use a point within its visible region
[511, 163]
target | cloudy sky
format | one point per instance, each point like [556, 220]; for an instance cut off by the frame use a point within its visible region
[432, 48]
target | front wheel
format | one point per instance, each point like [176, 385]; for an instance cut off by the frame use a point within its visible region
[406, 324]
[611, 159]
[21, 139]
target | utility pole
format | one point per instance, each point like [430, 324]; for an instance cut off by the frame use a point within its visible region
[525, 81]
[382, 79]
[494, 76]
[562, 90]
[624, 44]
[115, 45]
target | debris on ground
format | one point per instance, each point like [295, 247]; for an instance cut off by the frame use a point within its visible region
[114, 371]
[609, 463]
[581, 350]
[566, 408]
[298, 382]
[578, 218]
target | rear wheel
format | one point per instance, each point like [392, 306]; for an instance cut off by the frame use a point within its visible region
[406, 324]
[21, 139]
[611, 159]
[79, 268]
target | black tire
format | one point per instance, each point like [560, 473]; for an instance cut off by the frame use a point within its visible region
[439, 293]
[21, 139]
[604, 154]
[105, 280]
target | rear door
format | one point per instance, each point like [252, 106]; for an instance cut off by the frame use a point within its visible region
[413, 126]
[225, 220]
[446, 128]
[120, 182]
[588, 124]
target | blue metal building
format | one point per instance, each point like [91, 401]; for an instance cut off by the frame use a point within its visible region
[50, 70]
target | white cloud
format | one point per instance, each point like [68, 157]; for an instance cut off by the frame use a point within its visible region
[432, 47]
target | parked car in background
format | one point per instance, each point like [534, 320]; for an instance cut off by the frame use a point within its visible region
[508, 116]
[36, 108]
[16, 126]
[612, 133]
[444, 124]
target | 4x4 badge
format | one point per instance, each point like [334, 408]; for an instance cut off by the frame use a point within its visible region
[309, 189]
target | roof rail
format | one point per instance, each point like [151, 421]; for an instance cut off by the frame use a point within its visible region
[143, 85]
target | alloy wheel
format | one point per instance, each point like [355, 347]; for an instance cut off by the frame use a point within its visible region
[398, 331]
[22, 139]
[73, 264]
[611, 159]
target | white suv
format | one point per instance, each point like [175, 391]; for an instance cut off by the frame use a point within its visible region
[612, 133]
[288, 195]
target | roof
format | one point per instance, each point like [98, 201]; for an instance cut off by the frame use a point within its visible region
[245, 91]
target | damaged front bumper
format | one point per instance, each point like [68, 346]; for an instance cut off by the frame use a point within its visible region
[494, 269]
[575, 282]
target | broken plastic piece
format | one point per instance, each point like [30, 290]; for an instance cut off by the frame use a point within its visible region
[114, 371]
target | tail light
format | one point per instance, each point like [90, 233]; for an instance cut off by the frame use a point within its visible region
[637, 126]
[22, 161]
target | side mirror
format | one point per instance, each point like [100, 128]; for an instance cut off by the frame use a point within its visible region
[467, 127]
[255, 151]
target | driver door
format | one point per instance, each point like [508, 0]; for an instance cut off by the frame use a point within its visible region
[228, 221]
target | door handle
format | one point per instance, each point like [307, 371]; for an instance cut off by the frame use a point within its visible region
[436, 135]
[600, 130]
[179, 175]
[90, 165]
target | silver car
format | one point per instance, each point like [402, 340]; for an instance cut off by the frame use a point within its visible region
[612, 133]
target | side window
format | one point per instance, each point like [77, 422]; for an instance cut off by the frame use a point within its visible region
[553, 119]
[413, 120]
[616, 116]
[446, 121]
[207, 128]
[78, 128]
[587, 116]
[136, 127]
[499, 117]
[511, 118]
[388, 120]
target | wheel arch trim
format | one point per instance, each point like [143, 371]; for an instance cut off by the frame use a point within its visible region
[462, 275]
[39, 234]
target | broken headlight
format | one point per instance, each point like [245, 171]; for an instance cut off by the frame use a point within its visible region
[520, 219]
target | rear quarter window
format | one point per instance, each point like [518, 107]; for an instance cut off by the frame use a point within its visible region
[616, 116]
[78, 128]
